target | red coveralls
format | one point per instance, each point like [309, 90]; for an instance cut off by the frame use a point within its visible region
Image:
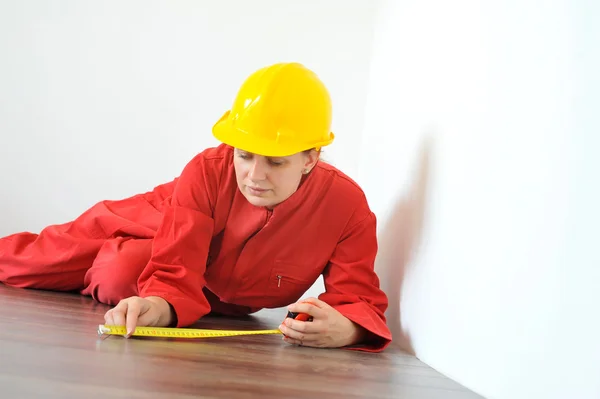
[200, 245]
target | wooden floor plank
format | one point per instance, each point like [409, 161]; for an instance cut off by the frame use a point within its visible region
[49, 347]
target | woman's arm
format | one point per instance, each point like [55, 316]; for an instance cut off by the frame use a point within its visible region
[351, 311]
[170, 286]
[352, 287]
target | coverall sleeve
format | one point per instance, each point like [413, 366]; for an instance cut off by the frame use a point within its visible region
[180, 249]
[352, 287]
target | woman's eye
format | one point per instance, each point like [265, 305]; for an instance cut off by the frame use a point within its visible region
[276, 163]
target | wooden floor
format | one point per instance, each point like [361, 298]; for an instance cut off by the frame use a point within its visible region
[49, 348]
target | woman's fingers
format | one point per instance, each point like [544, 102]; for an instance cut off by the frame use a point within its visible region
[131, 317]
[309, 308]
[303, 326]
[108, 318]
[118, 313]
[132, 312]
[126, 314]
[317, 302]
[304, 332]
[299, 335]
[312, 340]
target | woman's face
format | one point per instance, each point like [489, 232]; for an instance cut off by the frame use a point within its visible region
[268, 181]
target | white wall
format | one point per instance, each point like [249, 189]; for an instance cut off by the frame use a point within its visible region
[481, 159]
[101, 100]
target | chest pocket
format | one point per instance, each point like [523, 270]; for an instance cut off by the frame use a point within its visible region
[289, 281]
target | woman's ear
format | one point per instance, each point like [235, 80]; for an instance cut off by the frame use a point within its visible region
[312, 157]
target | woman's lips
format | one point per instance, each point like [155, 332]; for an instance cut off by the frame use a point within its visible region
[256, 190]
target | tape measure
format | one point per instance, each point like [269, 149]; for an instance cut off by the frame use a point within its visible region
[170, 332]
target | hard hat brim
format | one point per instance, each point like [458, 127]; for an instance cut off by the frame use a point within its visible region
[254, 144]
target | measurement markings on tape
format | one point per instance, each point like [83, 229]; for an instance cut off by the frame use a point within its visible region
[170, 332]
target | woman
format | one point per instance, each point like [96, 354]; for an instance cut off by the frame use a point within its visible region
[247, 225]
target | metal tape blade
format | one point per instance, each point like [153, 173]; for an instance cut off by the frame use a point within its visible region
[170, 332]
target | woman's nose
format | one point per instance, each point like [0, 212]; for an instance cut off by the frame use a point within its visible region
[257, 171]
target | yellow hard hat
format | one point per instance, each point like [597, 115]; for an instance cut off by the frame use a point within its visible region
[279, 110]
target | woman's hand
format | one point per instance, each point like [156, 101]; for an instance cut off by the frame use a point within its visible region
[135, 311]
[328, 328]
